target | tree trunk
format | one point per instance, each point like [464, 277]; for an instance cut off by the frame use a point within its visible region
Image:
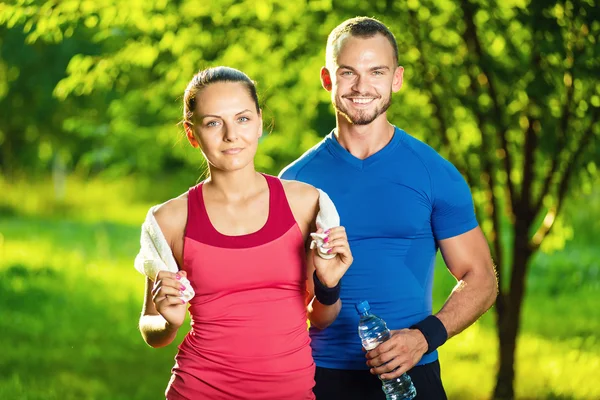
[9, 148]
[508, 311]
[6, 161]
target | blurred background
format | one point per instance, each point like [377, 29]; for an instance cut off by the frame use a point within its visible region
[90, 101]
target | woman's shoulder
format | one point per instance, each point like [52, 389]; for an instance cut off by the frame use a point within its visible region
[171, 215]
[303, 200]
[301, 191]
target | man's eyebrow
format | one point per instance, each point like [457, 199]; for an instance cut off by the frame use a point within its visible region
[379, 67]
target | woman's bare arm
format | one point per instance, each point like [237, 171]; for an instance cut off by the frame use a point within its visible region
[304, 201]
[163, 312]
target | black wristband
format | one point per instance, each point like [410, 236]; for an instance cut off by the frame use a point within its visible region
[326, 295]
[434, 331]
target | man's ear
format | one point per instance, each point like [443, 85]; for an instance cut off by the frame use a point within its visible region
[189, 132]
[326, 79]
[398, 79]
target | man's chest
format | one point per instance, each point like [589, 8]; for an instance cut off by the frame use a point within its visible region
[372, 207]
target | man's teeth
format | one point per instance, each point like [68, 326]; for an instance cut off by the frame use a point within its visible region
[362, 101]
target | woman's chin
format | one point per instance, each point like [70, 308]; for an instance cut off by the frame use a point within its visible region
[233, 165]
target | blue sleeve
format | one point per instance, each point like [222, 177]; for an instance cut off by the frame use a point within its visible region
[288, 173]
[453, 212]
[292, 171]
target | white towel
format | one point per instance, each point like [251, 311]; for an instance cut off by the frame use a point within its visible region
[155, 254]
[327, 218]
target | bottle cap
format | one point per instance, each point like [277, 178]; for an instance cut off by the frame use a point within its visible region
[363, 306]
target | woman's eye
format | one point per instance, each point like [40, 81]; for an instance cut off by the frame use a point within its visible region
[243, 119]
[211, 124]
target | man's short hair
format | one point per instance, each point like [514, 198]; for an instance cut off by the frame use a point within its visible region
[362, 27]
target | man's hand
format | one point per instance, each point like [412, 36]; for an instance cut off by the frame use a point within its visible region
[399, 353]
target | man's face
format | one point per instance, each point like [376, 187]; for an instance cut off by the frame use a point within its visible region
[362, 78]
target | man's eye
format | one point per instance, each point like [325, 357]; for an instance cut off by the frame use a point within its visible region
[347, 73]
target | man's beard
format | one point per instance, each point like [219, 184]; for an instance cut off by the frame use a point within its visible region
[361, 117]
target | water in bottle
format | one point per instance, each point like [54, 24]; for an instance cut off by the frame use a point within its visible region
[373, 331]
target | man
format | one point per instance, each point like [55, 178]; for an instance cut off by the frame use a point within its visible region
[400, 201]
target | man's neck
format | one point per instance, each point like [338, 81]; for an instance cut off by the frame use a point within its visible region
[363, 141]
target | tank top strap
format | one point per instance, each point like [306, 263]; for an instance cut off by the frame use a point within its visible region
[279, 221]
[279, 204]
[197, 220]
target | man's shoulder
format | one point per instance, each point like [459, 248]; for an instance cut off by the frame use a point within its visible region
[440, 170]
[427, 155]
[419, 147]
[292, 171]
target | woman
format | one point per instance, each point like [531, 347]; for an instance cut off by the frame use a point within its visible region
[240, 238]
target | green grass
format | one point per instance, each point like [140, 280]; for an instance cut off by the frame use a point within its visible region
[70, 300]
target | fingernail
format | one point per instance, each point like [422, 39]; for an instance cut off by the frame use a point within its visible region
[327, 231]
[326, 239]
[182, 301]
[329, 251]
[182, 287]
[177, 276]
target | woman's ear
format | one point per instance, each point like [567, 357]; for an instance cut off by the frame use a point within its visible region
[189, 132]
[260, 114]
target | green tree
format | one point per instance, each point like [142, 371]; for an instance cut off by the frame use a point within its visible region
[506, 90]
[515, 102]
[39, 131]
[150, 50]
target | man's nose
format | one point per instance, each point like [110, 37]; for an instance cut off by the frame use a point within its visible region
[360, 84]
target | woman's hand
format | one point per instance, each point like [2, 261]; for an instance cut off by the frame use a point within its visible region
[166, 297]
[331, 271]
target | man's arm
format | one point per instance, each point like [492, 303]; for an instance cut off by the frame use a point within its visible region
[468, 259]
[467, 256]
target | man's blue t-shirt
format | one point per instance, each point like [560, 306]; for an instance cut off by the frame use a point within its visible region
[395, 205]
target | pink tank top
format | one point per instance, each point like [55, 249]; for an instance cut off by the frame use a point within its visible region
[248, 337]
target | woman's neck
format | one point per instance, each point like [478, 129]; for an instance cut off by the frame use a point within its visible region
[234, 185]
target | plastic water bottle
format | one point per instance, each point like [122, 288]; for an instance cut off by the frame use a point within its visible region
[373, 331]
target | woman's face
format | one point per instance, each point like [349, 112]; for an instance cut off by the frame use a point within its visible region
[226, 126]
